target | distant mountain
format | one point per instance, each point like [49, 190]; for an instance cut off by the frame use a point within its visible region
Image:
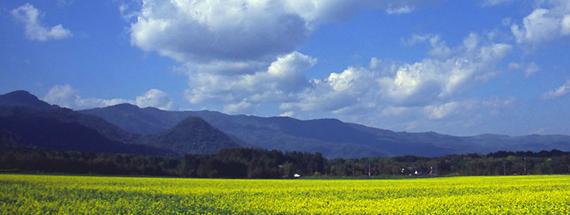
[268, 133]
[137, 120]
[27, 121]
[251, 131]
[22, 98]
[209, 131]
[34, 106]
[25, 127]
[193, 136]
[331, 137]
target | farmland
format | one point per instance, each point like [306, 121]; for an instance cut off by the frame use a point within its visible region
[42, 194]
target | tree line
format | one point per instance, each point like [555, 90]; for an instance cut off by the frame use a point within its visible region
[259, 163]
[498, 163]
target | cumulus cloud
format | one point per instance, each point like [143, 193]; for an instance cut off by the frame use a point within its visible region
[466, 107]
[62, 95]
[34, 29]
[456, 115]
[353, 86]
[220, 31]
[238, 54]
[154, 98]
[66, 96]
[436, 77]
[244, 60]
[550, 20]
[558, 92]
[430, 86]
[445, 72]
[279, 81]
[246, 34]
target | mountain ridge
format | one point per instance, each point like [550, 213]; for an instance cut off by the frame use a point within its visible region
[32, 128]
[335, 138]
[23, 98]
[26, 121]
[332, 137]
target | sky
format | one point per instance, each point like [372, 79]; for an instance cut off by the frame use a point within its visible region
[460, 67]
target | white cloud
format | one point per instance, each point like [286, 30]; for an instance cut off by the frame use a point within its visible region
[66, 96]
[287, 114]
[566, 25]
[539, 26]
[442, 75]
[545, 23]
[213, 31]
[427, 89]
[34, 29]
[242, 52]
[441, 111]
[239, 107]
[281, 79]
[438, 47]
[463, 114]
[62, 95]
[257, 68]
[344, 80]
[559, 92]
[129, 9]
[247, 34]
[379, 90]
[154, 98]
[405, 9]
[495, 2]
[352, 90]
[465, 107]
[528, 69]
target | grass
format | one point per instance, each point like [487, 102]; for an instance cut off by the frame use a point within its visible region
[44, 194]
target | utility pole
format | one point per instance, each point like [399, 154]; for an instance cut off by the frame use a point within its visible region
[369, 173]
[524, 164]
[504, 168]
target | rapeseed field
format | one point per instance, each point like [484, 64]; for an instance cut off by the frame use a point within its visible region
[44, 194]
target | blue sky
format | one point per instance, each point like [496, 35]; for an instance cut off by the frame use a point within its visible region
[456, 67]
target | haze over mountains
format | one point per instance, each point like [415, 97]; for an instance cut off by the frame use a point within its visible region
[125, 128]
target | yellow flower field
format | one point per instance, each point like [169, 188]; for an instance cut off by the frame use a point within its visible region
[42, 194]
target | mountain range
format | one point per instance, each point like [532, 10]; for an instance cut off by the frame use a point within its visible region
[126, 128]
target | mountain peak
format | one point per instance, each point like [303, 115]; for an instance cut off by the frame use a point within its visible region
[192, 124]
[125, 106]
[195, 135]
[22, 98]
[19, 93]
